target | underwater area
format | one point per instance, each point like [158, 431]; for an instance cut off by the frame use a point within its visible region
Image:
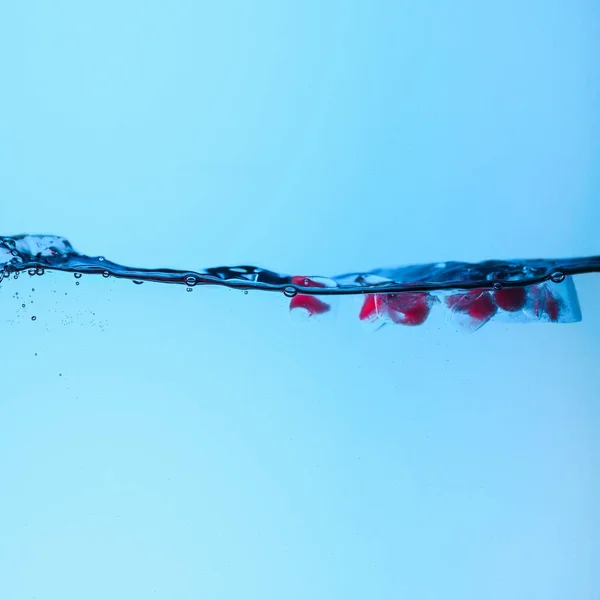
[300, 300]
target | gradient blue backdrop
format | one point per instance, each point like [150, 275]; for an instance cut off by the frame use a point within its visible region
[160, 444]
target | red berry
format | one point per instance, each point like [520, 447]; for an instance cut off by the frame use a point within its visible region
[511, 299]
[482, 307]
[311, 304]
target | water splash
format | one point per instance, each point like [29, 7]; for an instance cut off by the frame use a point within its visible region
[473, 293]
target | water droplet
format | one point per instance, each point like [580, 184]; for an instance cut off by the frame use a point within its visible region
[77, 275]
[191, 280]
[290, 291]
[557, 276]
[498, 286]
[105, 274]
[33, 318]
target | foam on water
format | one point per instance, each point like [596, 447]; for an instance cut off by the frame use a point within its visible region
[472, 293]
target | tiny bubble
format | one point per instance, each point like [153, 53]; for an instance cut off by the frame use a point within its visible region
[245, 291]
[76, 283]
[498, 286]
[137, 282]
[101, 258]
[23, 305]
[557, 276]
[77, 275]
[191, 280]
[33, 318]
[189, 289]
[306, 281]
[14, 253]
[290, 291]
[105, 274]
[39, 271]
[33, 289]
[31, 272]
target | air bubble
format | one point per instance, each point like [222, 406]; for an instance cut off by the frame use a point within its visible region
[189, 289]
[31, 272]
[191, 280]
[39, 271]
[33, 318]
[557, 276]
[77, 275]
[101, 258]
[306, 281]
[290, 291]
[105, 274]
[14, 253]
[137, 282]
[246, 292]
[22, 306]
[498, 286]
[77, 283]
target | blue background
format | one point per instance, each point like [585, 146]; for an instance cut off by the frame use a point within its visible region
[162, 444]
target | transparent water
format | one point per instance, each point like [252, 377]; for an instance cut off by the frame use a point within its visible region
[161, 443]
[473, 294]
